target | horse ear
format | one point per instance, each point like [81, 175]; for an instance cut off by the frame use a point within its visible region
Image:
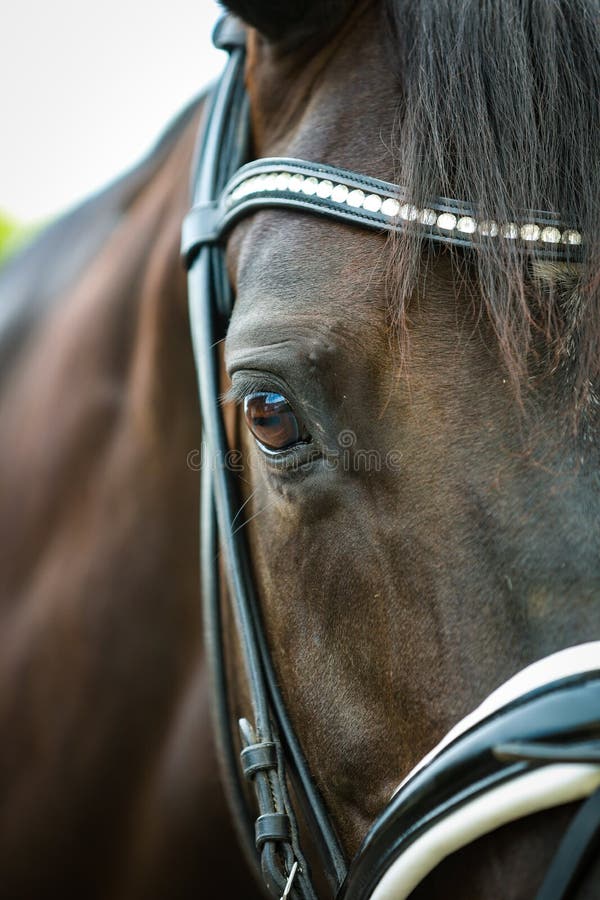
[291, 21]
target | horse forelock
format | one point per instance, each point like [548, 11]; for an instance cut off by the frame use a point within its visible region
[499, 107]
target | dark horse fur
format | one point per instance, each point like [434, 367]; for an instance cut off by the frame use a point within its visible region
[396, 598]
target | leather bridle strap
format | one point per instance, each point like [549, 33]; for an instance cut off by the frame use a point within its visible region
[577, 849]
[284, 869]
[539, 751]
[346, 196]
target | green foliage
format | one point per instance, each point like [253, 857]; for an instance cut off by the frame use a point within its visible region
[13, 235]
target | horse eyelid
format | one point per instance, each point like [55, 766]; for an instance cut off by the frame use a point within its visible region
[243, 384]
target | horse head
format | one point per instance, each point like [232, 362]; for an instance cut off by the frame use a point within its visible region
[416, 423]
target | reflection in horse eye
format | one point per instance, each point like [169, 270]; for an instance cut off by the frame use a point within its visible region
[273, 422]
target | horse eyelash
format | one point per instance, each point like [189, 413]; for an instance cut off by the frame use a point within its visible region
[245, 384]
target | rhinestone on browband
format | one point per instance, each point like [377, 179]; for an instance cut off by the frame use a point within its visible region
[371, 203]
[323, 192]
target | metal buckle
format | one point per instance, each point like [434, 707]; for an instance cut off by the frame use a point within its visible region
[290, 882]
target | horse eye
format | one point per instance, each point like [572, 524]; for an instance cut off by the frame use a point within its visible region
[273, 422]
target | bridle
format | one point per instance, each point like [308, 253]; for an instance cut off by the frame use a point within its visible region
[511, 754]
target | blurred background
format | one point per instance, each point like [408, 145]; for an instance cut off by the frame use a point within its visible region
[87, 87]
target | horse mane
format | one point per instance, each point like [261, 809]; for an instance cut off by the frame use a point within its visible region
[501, 107]
[38, 276]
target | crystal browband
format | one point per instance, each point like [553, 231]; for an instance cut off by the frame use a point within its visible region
[345, 195]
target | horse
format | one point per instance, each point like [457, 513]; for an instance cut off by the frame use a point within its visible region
[413, 427]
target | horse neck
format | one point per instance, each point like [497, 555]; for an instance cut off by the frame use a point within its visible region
[101, 409]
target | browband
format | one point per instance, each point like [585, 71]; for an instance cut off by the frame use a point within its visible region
[368, 202]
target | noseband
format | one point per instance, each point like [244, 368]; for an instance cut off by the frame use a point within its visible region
[535, 747]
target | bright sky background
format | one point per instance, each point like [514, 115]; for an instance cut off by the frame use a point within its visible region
[86, 88]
